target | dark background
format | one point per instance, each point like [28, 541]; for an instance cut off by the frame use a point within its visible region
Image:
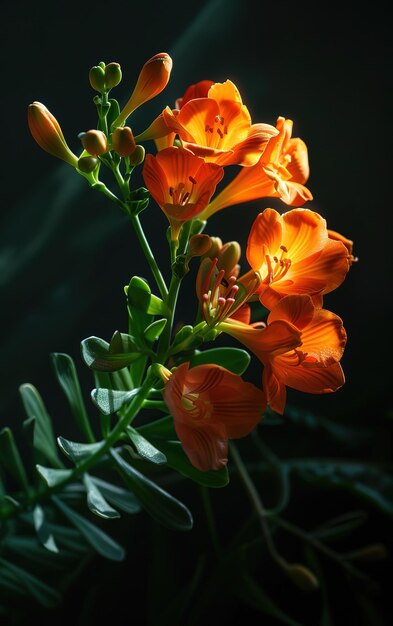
[66, 252]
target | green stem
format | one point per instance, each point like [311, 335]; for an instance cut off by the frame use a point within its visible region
[149, 256]
[257, 503]
[165, 338]
[156, 405]
[207, 505]
[113, 437]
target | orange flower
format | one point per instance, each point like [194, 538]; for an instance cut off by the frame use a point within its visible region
[300, 347]
[47, 132]
[153, 78]
[348, 243]
[218, 127]
[181, 184]
[281, 173]
[293, 253]
[210, 405]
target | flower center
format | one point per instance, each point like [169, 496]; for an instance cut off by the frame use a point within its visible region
[216, 133]
[218, 298]
[182, 193]
[196, 407]
[277, 267]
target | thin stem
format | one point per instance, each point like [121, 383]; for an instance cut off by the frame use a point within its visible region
[257, 504]
[156, 405]
[166, 334]
[207, 505]
[149, 256]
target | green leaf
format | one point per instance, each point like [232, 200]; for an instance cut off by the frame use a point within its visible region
[41, 528]
[144, 448]
[45, 595]
[235, 360]
[162, 428]
[139, 296]
[109, 400]
[68, 379]
[371, 483]
[43, 437]
[95, 353]
[95, 537]
[96, 501]
[119, 497]
[163, 507]
[53, 477]
[78, 451]
[178, 460]
[11, 459]
[154, 330]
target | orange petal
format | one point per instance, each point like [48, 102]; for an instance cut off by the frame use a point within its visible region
[266, 343]
[323, 271]
[298, 165]
[266, 232]
[222, 92]
[275, 390]
[304, 233]
[199, 90]
[311, 379]
[295, 309]
[205, 448]
[323, 339]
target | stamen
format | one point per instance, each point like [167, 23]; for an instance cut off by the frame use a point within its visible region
[192, 180]
[219, 131]
[284, 248]
[171, 191]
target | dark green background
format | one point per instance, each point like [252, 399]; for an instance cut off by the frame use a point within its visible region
[66, 252]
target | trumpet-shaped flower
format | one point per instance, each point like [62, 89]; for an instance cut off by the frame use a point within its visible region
[47, 132]
[219, 128]
[210, 405]
[153, 78]
[300, 347]
[281, 173]
[181, 184]
[294, 253]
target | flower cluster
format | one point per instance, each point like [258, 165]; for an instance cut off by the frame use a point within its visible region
[293, 258]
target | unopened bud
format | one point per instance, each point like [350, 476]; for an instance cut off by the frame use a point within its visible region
[94, 142]
[301, 576]
[97, 78]
[87, 164]
[113, 75]
[215, 247]
[228, 257]
[198, 245]
[123, 141]
[373, 552]
[152, 79]
[138, 156]
[47, 132]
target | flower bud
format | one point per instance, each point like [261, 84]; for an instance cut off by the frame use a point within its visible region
[123, 141]
[138, 156]
[228, 258]
[97, 78]
[113, 75]
[152, 79]
[198, 245]
[94, 142]
[47, 132]
[87, 164]
[302, 576]
[215, 247]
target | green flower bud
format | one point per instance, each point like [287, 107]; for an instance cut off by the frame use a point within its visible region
[97, 78]
[137, 156]
[87, 164]
[113, 75]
